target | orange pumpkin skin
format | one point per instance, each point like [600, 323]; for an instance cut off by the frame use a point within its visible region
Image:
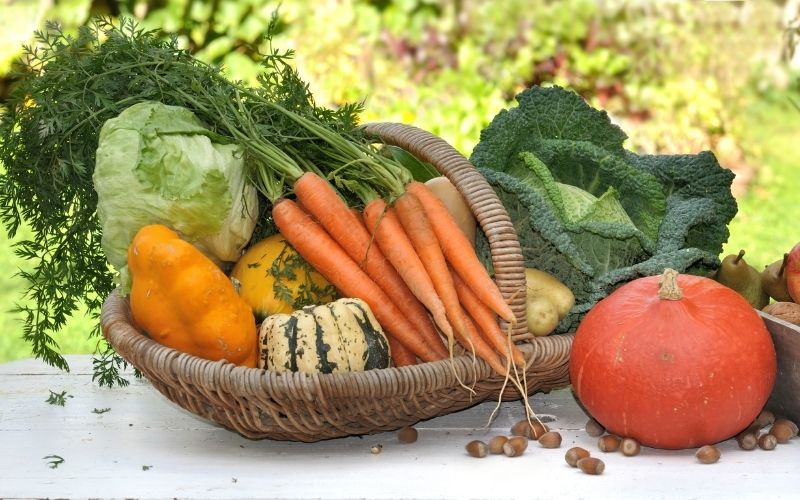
[673, 373]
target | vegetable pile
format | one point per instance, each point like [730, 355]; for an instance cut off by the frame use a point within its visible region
[133, 134]
[231, 206]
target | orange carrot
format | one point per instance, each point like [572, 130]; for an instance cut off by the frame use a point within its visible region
[418, 228]
[323, 253]
[460, 253]
[400, 355]
[398, 248]
[486, 321]
[348, 229]
[472, 340]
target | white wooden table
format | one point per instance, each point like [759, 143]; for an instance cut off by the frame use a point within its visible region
[145, 446]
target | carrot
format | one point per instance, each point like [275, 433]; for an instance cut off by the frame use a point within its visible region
[460, 253]
[418, 228]
[400, 355]
[472, 340]
[398, 248]
[323, 253]
[486, 321]
[348, 229]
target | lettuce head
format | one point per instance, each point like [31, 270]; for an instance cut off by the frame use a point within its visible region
[158, 164]
[592, 213]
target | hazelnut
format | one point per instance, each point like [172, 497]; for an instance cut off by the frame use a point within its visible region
[407, 435]
[748, 440]
[608, 443]
[550, 439]
[594, 429]
[531, 429]
[591, 465]
[707, 454]
[630, 447]
[477, 449]
[515, 446]
[783, 430]
[574, 454]
[767, 441]
[764, 419]
[496, 445]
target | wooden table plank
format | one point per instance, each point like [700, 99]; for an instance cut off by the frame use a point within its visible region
[145, 446]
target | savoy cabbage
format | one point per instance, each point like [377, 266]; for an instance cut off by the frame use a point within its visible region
[592, 213]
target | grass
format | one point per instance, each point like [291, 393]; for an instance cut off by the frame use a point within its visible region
[765, 226]
[766, 223]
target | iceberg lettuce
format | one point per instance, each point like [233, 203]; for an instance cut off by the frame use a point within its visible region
[158, 164]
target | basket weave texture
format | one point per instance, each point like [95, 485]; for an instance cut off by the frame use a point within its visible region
[311, 407]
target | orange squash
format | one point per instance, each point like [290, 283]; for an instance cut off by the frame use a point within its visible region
[182, 300]
[673, 361]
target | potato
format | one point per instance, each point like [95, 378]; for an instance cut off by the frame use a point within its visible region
[541, 316]
[543, 284]
[456, 205]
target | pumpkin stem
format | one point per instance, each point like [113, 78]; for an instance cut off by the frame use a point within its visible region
[668, 287]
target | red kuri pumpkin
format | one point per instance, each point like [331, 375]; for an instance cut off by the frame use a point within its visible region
[673, 361]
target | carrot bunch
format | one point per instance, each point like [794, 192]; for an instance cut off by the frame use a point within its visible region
[410, 262]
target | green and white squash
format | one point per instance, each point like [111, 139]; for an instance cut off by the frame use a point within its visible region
[340, 336]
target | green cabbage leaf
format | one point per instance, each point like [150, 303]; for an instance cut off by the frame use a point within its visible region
[592, 213]
[158, 164]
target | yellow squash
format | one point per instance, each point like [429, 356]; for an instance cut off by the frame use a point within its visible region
[182, 300]
[274, 279]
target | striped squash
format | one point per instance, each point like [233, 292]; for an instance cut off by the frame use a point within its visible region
[339, 336]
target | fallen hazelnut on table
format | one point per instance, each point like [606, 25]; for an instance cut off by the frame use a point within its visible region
[407, 435]
[783, 430]
[515, 446]
[591, 465]
[550, 439]
[594, 429]
[630, 447]
[708, 454]
[608, 443]
[574, 454]
[496, 445]
[747, 440]
[477, 449]
[764, 419]
[767, 441]
[532, 429]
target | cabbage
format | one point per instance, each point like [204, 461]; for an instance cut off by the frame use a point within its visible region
[158, 164]
[592, 213]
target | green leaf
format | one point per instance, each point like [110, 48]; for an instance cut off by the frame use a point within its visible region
[420, 171]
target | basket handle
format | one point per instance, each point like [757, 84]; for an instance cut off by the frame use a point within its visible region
[506, 253]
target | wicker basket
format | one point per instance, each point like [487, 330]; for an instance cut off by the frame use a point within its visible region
[310, 407]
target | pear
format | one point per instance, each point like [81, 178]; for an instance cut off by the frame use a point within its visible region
[735, 273]
[773, 280]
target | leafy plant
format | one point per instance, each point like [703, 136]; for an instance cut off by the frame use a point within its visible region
[592, 213]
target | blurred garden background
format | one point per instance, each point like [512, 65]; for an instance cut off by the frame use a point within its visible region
[677, 76]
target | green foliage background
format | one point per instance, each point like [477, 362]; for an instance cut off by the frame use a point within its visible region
[679, 77]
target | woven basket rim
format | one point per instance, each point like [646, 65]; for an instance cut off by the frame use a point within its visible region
[116, 305]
